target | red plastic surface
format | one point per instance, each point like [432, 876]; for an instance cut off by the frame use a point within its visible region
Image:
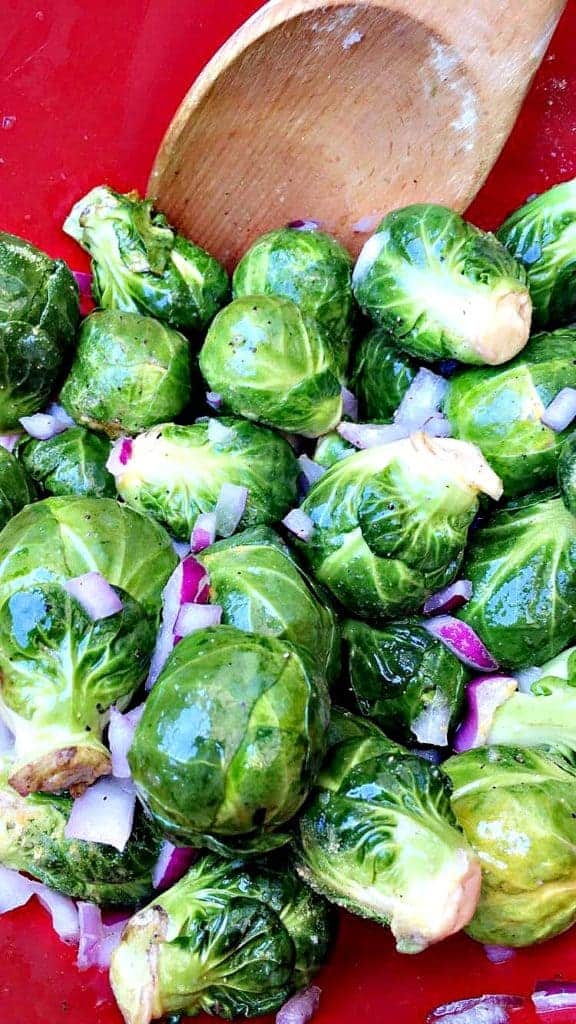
[86, 91]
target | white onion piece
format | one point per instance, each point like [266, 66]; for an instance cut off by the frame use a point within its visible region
[561, 411]
[431, 725]
[230, 508]
[42, 426]
[489, 1009]
[526, 678]
[98, 599]
[218, 433]
[300, 1008]
[437, 426]
[299, 523]
[188, 584]
[370, 435]
[97, 940]
[9, 441]
[484, 695]
[462, 641]
[349, 404]
[203, 532]
[120, 456]
[549, 996]
[193, 617]
[421, 401]
[499, 954]
[16, 890]
[104, 813]
[310, 470]
[120, 735]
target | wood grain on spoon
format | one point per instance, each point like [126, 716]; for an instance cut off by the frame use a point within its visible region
[340, 112]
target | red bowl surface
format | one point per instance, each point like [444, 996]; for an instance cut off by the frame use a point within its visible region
[86, 92]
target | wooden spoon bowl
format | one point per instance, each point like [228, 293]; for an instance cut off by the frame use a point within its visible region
[338, 112]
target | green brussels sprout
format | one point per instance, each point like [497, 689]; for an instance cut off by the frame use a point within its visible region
[140, 264]
[381, 376]
[16, 489]
[331, 448]
[30, 367]
[540, 235]
[346, 726]
[567, 472]
[231, 939]
[501, 410]
[518, 811]
[543, 713]
[62, 670]
[390, 523]
[176, 472]
[129, 373]
[443, 288]
[70, 463]
[311, 268]
[32, 840]
[522, 565]
[231, 739]
[37, 291]
[405, 680]
[261, 589]
[271, 364]
[379, 838]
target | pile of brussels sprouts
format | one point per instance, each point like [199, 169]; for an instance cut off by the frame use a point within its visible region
[288, 593]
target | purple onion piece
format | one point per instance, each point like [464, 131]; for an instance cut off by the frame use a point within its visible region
[300, 1008]
[120, 456]
[84, 282]
[349, 404]
[121, 731]
[181, 548]
[462, 641]
[303, 225]
[484, 695]
[499, 954]
[42, 426]
[203, 532]
[9, 441]
[16, 890]
[437, 426]
[104, 813]
[193, 617]
[449, 598]
[311, 471]
[561, 411]
[370, 435]
[549, 996]
[299, 523]
[488, 1009]
[98, 599]
[173, 862]
[59, 413]
[188, 584]
[214, 400]
[422, 401]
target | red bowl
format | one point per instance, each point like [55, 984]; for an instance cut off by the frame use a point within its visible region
[86, 92]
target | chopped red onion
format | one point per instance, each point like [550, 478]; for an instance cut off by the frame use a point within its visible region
[449, 598]
[299, 523]
[218, 433]
[203, 532]
[173, 862]
[181, 548]
[303, 225]
[489, 1009]
[431, 725]
[59, 413]
[104, 813]
[84, 282]
[422, 401]
[367, 224]
[214, 400]
[499, 954]
[369, 435]
[437, 426]
[484, 695]
[98, 599]
[97, 940]
[9, 441]
[526, 678]
[561, 411]
[42, 426]
[300, 1008]
[310, 470]
[120, 456]
[16, 890]
[188, 584]
[193, 617]
[461, 639]
[549, 996]
[120, 735]
[230, 508]
[349, 404]
[6, 740]
[427, 754]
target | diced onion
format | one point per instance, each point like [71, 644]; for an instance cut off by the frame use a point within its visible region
[370, 435]
[219, 433]
[484, 695]
[42, 426]
[561, 411]
[120, 735]
[300, 1008]
[431, 725]
[6, 740]
[203, 532]
[311, 471]
[449, 598]
[120, 456]
[462, 641]
[188, 584]
[349, 404]
[97, 940]
[59, 413]
[304, 225]
[421, 401]
[554, 995]
[173, 862]
[98, 599]
[214, 400]
[84, 282]
[230, 508]
[437, 426]
[299, 523]
[9, 441]
[489, 1009]
[104, 813]
[499, 954]
[526, 678]
[16, 890]
[193, 617]
[181, 547]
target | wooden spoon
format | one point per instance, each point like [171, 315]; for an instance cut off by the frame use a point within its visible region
[340, 111]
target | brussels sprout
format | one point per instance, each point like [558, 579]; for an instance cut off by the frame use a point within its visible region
[390, 523]
[129, 372]
[30, 365]
[70, 463]
[346, 726]
[331, 448]
[522, 564]
[544, 713]
[271, 364]
[501, 410]
[405, 680]
[140, 264]
[174, 473]
[32, 840]
[16, 490]
[381, 376]
[231, 739]
[379, 838]
[261, 589]
[37, 291]
[567, 472]
[540, 235]
[311, 268]
[230, 939]
[62, 670]
[443, 288]
[518, 810]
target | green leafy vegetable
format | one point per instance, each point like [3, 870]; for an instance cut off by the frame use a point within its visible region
[567, 472]
[70, 463]
[381, 376]
[37, 291]
[16, 489]
[544, 712]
